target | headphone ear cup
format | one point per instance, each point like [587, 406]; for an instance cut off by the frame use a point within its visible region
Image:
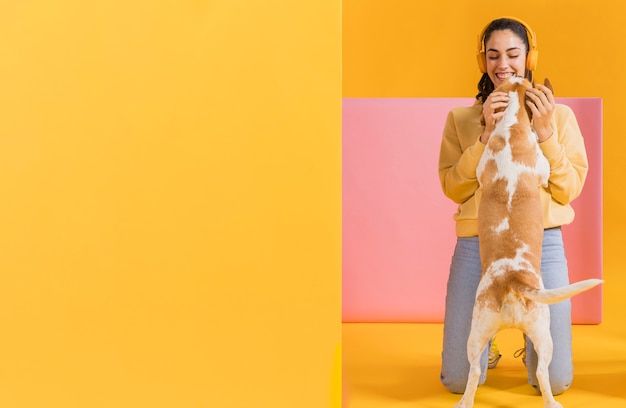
[531, 60]
[482, 62]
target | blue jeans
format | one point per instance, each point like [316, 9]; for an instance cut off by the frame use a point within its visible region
[465, 273]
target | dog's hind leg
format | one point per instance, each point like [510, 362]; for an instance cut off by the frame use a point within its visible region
[542, 341]
[478, 339]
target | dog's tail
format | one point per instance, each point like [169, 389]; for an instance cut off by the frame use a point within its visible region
[550, 296]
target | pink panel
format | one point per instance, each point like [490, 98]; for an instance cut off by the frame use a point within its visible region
[583, 237]
[398, 232]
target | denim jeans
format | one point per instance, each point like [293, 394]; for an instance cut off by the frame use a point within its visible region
[465, 273]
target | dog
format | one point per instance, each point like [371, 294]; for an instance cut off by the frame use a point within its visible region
[510, 229]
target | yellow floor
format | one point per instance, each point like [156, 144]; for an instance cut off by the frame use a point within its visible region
[395, 365]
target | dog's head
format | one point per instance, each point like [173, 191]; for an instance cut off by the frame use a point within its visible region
[520, 85]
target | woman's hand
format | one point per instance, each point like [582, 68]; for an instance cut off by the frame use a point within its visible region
[541, 103]
[493, 109]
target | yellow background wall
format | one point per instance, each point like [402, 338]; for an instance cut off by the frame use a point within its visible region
[406, 48]
[170, 182]
[169, 203]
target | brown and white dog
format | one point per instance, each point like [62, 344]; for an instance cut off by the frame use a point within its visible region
[510, 230]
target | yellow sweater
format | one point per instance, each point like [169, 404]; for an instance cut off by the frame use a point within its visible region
[461, 150]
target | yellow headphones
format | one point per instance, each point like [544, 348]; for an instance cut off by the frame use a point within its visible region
[531, 57]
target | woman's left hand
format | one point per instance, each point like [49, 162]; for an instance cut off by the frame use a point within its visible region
[541, 103]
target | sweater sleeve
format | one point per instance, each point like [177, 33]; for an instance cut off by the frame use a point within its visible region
[457, 166]
[565, 151]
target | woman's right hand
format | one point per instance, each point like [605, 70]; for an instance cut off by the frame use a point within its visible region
[493, 109]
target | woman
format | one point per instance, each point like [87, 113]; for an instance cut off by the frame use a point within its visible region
[507, 48]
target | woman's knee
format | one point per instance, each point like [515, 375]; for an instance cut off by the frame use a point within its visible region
[454, 385]
[558, 385]
[457, 384]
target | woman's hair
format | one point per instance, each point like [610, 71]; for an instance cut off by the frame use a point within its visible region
[485, 86]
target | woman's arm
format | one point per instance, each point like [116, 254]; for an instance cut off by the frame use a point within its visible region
[457, 167]
[565, 151]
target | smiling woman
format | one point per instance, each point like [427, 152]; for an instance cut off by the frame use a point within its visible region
[561, 142]
[505, 57]
[501, 55]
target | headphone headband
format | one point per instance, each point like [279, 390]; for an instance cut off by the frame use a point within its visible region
[531, 56]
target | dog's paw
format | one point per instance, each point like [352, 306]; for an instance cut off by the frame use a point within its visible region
[464, 404]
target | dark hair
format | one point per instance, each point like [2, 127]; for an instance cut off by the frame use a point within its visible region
[485, 86]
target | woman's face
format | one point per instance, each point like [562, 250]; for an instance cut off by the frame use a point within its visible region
[506, 56]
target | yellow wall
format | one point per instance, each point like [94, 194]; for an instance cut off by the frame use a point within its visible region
[406, 48]
[170, 203]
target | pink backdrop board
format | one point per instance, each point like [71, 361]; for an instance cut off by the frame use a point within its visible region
[398, 231]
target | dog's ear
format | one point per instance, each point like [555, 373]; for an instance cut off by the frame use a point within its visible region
[529, 112]
[548, 84]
